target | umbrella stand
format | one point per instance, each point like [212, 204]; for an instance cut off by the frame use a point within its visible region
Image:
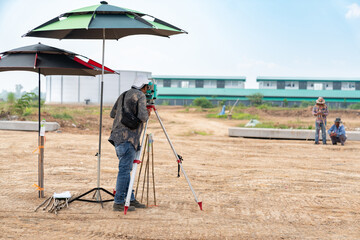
[98, 189]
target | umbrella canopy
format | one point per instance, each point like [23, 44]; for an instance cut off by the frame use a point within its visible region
[48, 61]
[89, 23]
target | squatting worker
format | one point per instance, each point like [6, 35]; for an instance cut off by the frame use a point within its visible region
[337, 132]
[320, 111]
[127, 141]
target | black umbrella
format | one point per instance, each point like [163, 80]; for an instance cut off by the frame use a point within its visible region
[103, 21]
[48, 60]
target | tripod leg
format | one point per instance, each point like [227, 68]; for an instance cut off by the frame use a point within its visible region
[177, 158]
[153, 174]
[148, 174]
[141, 165]
[145, 174]
[133, 173]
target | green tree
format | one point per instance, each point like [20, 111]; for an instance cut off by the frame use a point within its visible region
[202, 102]
[11, 97]
[23, 103]
[256, 99]
[286, 103]
[344, 104]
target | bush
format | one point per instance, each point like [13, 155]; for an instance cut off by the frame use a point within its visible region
[355, 106]
[202, 102]
[23, 103]
[64, 116]
[305, 104]
[264, 106]
[256, 99]
[165, 103]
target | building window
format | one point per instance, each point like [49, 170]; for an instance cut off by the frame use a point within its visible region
[291, 85]
[167, 83]
[233, 84]
[185, 84]
[199, 83]
[318, 86]
[175, 83]
[348, 86]
[209, 83]
[160, 83]
[328, 86]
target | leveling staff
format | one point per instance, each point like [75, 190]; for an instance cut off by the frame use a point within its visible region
[127, 141]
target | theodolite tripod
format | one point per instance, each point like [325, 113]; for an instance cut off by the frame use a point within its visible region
[137, 161]
[149, 148]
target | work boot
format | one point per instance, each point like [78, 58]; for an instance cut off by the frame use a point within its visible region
[120, 207]
[137, 204]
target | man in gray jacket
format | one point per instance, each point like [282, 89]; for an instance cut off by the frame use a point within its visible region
[127, 141]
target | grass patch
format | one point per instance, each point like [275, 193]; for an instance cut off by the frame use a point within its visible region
[201, 133]
[269, 124]
[195, 132]
[236, 116]
[64, 116]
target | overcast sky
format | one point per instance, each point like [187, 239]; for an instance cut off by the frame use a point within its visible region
[226, 38]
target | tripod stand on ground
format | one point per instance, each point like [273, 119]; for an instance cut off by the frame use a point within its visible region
[137, 161]
[149, 148]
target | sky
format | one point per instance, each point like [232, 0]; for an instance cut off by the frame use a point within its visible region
[288, 38]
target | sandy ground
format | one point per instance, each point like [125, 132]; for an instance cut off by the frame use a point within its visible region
[250, 188]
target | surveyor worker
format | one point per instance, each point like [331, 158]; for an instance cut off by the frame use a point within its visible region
[337, 132]
[320, 111]
[126, 140]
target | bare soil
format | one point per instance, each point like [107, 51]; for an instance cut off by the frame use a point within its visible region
[250, 188]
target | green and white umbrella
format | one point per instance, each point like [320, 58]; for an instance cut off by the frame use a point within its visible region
[103, 21]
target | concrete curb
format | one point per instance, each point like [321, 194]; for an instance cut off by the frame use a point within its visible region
[27, 126]
[284, 133]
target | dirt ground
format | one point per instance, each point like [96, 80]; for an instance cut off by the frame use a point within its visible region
[250, 188]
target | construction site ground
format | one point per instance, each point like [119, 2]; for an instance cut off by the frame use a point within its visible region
[250, 188]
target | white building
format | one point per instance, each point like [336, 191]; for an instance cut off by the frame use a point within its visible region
[82, 89]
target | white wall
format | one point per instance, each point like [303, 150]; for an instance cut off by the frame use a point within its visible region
[75, 89]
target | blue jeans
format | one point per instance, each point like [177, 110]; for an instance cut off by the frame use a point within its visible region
[321, 126]
[126, 154]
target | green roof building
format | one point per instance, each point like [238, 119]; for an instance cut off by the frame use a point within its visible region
[182, 90]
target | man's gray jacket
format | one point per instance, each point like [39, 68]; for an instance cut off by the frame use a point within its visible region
[134, 99]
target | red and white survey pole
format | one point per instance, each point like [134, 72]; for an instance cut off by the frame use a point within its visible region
[133, 172]
[136, 162]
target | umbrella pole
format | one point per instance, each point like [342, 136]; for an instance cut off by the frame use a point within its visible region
[97, 190]
[101, 111]
[39, 99]
[39, 143]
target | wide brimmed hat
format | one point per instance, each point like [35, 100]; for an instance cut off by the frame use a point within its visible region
[320, 100]
[140, 81]
[338, 120]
